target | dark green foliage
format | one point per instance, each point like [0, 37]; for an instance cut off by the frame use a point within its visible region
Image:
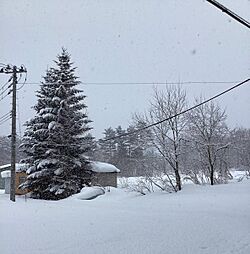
[56, 139]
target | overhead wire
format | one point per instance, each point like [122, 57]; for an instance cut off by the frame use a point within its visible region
[5, 90]
[7, 118]
[180, 113]
[7, 114]
[140, 83]
[229, 12]
[2, 90]
[24, 82]
[3, 86]
[3, 97]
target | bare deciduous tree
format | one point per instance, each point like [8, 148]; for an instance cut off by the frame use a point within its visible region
[167, 136]
[207, 131]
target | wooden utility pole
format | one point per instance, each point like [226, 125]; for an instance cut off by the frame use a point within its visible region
[13, 137]
[13, 70]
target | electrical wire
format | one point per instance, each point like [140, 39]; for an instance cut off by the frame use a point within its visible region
[24, 82]
[3, 116]
[5, 96]
[230, 13]
[5, 120]
[141, 83]
[180, 113]
[2, 93]
[3, 86]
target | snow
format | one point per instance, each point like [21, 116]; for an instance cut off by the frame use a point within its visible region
[45, 162]
[5, 166]
[199, 219]
[5, 174]
[19, 166]
[103, 167]
[52, 125]
[88, 193]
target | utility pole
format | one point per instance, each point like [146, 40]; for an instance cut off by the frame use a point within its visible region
[14, 71]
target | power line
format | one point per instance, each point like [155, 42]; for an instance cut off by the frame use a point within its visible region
[24, 82]
[5, 115]
[5, 120]
[230, 13]
[180, 113]
[6, 83]
[4, 90]
[140, 83]
[2, 93]
[3, 97]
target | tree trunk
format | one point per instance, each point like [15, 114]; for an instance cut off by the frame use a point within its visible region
[178, 180]
[212, 175]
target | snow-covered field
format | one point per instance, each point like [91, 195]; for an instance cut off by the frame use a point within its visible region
[199, 219]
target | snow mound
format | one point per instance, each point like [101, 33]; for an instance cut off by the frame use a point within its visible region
[103, 167]
[5, 173]
[88, 193]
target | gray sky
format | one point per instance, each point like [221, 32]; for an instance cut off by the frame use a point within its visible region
[128, 41]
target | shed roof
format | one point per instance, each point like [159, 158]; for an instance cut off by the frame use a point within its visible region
[103, 167]
[19, 167]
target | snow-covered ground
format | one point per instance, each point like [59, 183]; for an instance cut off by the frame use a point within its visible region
[199, 219]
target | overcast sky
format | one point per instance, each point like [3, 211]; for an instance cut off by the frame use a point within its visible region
[128, 41]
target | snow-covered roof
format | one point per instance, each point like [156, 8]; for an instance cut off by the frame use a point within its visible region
[103, 167]
[5, 174]
[19, 167]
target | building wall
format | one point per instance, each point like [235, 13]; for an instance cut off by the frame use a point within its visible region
[2, 179]
[104, 179]
[7, 185]
[20, 178]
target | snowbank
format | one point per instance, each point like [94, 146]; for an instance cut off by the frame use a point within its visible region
[103, 167]
[88, 193]
[196, 220]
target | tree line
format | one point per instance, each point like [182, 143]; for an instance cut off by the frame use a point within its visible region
[197, 145]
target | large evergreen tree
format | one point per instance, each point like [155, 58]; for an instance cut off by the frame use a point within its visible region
[56, 139]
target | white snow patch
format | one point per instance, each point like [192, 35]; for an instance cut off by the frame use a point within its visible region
[46, 162]
[51, 125]
[5, 166]
[19, 166]
[103, 167]
[88, 193]
[5, 174]
[58, 171]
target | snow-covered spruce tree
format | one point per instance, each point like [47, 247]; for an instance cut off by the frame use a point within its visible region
[56, 139]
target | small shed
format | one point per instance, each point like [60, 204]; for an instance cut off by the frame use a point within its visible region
[20, 177]
[104, 174]
[3, 168]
